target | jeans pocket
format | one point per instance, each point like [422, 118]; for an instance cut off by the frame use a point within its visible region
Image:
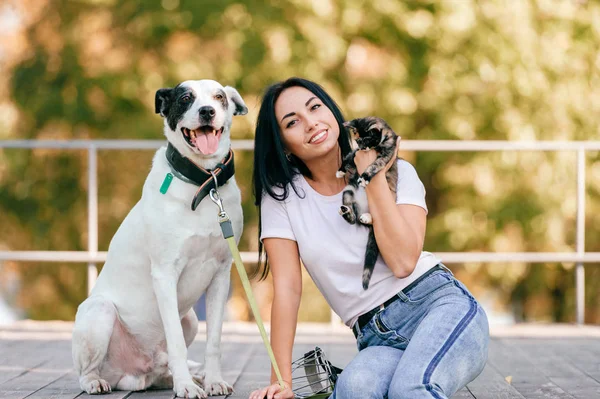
[428, 287]
[386, 332]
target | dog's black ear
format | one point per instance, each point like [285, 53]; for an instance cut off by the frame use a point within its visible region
[240, 105]
[162, 101]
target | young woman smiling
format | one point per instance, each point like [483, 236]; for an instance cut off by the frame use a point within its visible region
[419, 331]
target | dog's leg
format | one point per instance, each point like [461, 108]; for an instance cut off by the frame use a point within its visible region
[216, 298]
[189, 324]
[91, 335]
[164, 282]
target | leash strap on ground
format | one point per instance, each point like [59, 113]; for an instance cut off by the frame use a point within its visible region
[227, 230]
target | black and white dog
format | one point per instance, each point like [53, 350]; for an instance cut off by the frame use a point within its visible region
[133, 331]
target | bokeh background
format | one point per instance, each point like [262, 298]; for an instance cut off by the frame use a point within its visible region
[444, 69]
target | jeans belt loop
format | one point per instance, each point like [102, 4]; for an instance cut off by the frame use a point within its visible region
[356, 329]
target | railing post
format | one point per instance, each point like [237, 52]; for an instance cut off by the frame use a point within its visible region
[92, 272]
[580, 238]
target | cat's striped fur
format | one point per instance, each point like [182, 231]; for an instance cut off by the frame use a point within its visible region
[368, 133]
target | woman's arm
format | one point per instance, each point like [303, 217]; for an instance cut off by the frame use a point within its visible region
[399, 229]
[284, 260]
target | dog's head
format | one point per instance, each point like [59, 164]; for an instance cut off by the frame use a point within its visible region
[368, 132]
[198, 116]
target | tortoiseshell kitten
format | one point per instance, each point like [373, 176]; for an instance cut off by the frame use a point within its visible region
[368, 133]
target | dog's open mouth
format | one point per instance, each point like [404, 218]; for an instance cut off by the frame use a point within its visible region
[205, 138]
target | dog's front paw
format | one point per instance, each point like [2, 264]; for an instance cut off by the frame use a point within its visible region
[217, 386]
[339, 174]
[188, 389]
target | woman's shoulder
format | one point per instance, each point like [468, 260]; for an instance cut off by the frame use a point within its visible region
[404, 166]
[290, 192]
[408, 178]
[406, 170]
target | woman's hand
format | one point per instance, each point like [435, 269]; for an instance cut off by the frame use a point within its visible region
[363, 159]
[273, 392]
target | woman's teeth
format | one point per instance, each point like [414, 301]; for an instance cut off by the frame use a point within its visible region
[318, 136]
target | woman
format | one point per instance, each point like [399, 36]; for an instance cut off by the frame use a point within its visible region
[419, 331]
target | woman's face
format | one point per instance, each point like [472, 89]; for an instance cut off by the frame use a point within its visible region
[309, 129]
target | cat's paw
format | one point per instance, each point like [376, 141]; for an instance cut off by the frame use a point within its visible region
[347, 214]
[340, 173]
[364, 179]
[366, 218]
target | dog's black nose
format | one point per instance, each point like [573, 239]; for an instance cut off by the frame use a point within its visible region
[207, 112]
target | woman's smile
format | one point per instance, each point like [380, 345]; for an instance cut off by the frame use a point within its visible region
[319, 137]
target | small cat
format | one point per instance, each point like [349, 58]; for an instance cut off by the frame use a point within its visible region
[368, 133]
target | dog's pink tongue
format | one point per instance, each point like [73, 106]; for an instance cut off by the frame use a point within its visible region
[207, 143]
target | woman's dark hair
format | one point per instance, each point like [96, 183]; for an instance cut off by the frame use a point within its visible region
[273, 172]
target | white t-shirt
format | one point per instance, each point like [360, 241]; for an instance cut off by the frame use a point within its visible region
[333, 251]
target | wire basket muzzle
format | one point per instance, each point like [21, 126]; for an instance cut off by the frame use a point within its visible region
[313, 376]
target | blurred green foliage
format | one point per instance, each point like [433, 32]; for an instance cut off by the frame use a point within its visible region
[456, 69]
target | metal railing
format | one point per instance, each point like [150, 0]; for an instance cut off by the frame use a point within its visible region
[92, 256]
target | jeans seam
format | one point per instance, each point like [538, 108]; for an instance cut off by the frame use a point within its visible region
[432, 392]
[462, 325]
[420, 300]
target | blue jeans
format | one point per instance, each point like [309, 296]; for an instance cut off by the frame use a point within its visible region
[428, 344]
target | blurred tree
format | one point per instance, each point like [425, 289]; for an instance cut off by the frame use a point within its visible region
[434, 69]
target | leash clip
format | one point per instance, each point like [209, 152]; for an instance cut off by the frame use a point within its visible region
[216, 198]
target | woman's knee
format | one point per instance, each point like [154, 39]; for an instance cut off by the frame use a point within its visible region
[356, 384]
[410, 388]
[369, 374]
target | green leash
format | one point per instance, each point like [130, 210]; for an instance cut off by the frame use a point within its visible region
[227, 230]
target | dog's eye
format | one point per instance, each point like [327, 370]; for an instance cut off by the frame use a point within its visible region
[219, 97]
[186, 98]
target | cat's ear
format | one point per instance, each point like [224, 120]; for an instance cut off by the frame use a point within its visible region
[350, 127]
